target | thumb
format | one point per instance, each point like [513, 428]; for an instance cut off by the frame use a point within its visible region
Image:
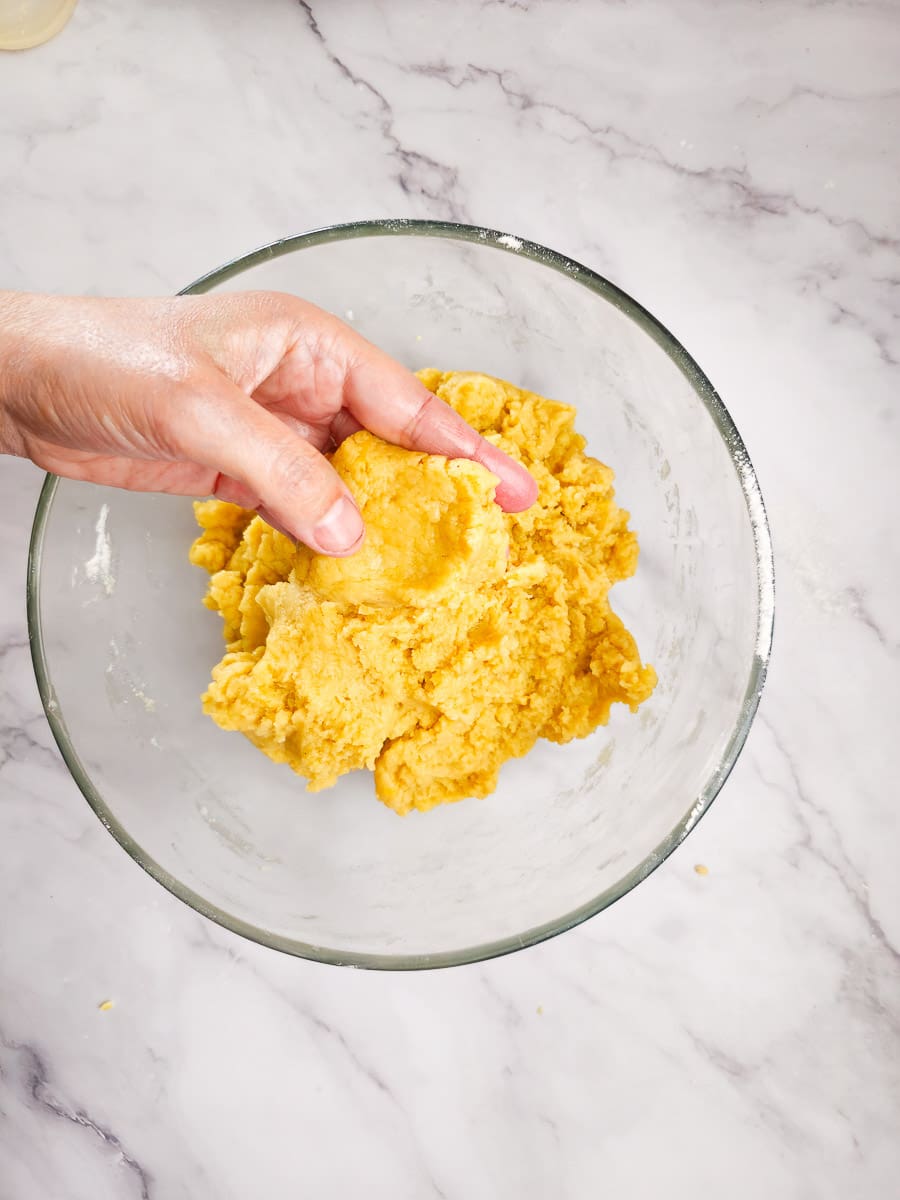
[224, 429]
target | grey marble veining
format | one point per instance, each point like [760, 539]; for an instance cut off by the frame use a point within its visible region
[734, 167]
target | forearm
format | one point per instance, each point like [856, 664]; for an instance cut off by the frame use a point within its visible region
[14, 352]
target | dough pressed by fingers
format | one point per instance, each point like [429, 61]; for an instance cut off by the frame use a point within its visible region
[456, 636]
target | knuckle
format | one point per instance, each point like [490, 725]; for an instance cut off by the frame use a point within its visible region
[292, 472]
[426, 414]
[436, 427]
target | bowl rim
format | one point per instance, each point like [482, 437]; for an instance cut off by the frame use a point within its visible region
[509, 244]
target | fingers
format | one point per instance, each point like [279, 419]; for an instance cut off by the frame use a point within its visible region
[298, 490]
[388, 400]
[332, 379]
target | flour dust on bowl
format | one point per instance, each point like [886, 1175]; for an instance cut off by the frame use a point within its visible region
[123, 647]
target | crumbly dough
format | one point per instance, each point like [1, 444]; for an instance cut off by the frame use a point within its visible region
[456, 637]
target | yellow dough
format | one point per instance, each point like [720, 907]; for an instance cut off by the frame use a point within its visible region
[456, 636]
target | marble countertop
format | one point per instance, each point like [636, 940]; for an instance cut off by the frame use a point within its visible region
[733, 166]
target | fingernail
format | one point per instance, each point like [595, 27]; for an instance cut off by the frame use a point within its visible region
[340, 529]
[517, 489]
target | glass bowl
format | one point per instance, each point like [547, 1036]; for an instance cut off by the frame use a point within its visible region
[123, 647]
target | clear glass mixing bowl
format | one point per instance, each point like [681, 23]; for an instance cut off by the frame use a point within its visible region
[123, 647]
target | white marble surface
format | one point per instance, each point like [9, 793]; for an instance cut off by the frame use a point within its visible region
[735, 167]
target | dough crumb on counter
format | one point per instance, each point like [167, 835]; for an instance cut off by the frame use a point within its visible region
[456, 636]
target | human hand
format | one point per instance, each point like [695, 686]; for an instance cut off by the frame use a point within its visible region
[236, 396]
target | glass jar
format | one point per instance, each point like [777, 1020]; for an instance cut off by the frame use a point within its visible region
[26, 23]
